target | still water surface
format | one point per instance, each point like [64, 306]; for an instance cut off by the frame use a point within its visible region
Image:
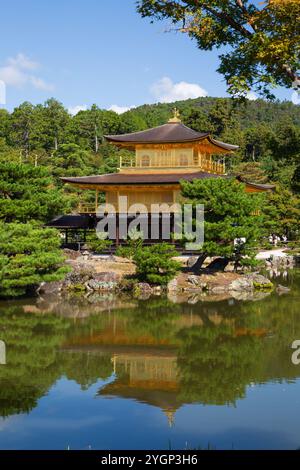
[126, 374]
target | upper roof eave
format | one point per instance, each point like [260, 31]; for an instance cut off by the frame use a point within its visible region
[169, 133]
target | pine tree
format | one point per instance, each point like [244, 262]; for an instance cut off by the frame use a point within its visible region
[28, 192]
[228, 212]
[29, 255]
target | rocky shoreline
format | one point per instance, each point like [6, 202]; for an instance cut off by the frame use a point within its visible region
[94, 274]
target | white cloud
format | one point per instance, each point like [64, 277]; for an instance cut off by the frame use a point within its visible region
[39, 83]
[12, 76]
[23, 62]
[120, 109]
[75, 109]
[251, 96]
[17, 72]
[165, 91]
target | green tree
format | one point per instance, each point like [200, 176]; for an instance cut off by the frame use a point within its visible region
[96, 244]
[28, 192]
[258, 140]
[132, 122]
[4, 123]
[251, 171]
[222, 117]
[197, 119]
[88, 127]
[155, 264]
[55, 120]
[261, 40]
[29, 255]
[296, 180]
[282, 212]
[285, 144]
[24, 128]
[228, 212]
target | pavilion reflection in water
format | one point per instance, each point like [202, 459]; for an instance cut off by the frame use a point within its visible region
[145, 367]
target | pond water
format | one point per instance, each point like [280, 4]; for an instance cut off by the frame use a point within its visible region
[127, 374]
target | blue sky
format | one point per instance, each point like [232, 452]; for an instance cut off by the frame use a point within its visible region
[99, 51]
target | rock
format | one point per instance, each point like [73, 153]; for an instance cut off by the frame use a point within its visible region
[193, 279]
[80, 274]
[109, 276]
[196, 282]
[172, 285]
[230, 268]
[282, 289]
[71, 254]
[218, 289]
[96, 285]
[251, 282]
[50, 287]
[241, 284]
[75, 278]
[259, 281]
[142, 290]
[157, 290]
[203, 285]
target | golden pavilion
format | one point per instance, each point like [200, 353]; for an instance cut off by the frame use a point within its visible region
[161, 158]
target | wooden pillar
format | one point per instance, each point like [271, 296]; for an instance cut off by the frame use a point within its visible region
[96, 200]
[66, 236]
[117, 230]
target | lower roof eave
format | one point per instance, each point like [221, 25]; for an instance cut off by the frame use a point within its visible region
[145, 179]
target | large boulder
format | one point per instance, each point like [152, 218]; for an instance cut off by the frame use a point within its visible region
[241, 284]
[249, 282]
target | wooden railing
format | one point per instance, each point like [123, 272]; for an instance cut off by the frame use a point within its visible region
[204, 165]
[213, 167]
[127, 162]
[85, 208]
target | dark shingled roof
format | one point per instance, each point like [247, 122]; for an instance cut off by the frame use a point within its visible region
[70, 221]
[122, 178]
[168, 133]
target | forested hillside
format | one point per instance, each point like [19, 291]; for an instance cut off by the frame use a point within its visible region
[268, 135]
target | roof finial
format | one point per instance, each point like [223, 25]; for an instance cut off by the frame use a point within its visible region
[170, 413]
[176, 117]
